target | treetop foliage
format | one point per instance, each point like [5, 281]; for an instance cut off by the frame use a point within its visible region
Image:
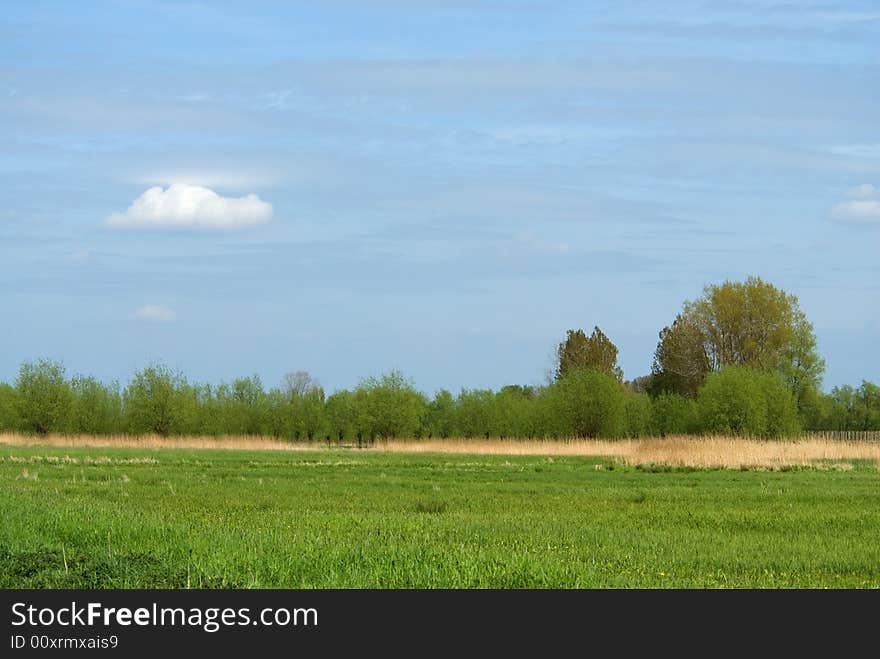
[580, 351]
[749, 323]
[741, 359]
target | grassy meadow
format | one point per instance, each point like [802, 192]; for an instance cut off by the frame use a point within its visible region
[414, 515]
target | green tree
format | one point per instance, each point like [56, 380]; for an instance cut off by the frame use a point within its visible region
[580, 351]
[870, 395]
[749, 323]
[731, 402]
[681, 363]
[546, 418]
[513, 412]
[851, 408]
[440, 416]
[95, 408]
[641, 384]
[341, 415]
[279, 416]
[44, 396]
[363, 409]
[474, 412]
[591, 404]
[391, 406]
[309, 412]
[152, 400]
[800, 364]
[305, 403]
[9, 407]
[241, 407]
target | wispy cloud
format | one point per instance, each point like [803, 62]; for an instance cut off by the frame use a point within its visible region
[531, 242]
[205, 175]
[80, 256]
[847, 17]
[861, 207]
[857, 150]
[184, 206]
[155, 313]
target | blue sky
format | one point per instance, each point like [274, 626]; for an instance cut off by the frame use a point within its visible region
[442, 187]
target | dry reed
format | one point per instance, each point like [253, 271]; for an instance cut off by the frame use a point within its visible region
[243, 443]
[677, 451]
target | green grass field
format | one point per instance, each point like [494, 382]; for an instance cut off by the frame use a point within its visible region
[139, 518]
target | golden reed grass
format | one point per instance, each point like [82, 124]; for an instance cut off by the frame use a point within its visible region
[242, 443]
[676, 451]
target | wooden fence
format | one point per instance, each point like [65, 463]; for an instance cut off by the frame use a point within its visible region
[844, 435]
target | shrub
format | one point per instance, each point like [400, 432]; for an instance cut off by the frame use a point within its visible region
[339, 410]
[474, 411]
[10, 420]
[154, 402]
[389, 406]
[746, 401]
[95, 408]
[674, 414]
[44, 397]
[591, 404]
[639, 422]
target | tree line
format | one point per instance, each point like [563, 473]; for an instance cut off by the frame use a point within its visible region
[742, 359]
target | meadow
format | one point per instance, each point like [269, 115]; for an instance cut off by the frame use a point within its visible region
[736, 514]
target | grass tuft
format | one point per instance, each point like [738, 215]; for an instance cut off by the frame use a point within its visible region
[434, 507]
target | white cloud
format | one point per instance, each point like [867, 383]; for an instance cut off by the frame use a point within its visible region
[155, 313]
[185, 206]
[862, 205]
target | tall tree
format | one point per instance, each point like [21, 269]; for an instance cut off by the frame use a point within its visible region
[580, 351]
[680, 360]
[298, 383]
[750, 323]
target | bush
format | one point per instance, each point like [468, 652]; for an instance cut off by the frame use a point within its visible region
[279, 416]
[44, 397]
[783, 418]
[154, 401]
[474, 412]
[591, 404]
[95, 408]
[746, 401]
[674, 414]
[513, 412]
[339, 410]
[439, 418]
[389, 407]
[241, 407]
[639, 421]
[849, 408]
[10, 421]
